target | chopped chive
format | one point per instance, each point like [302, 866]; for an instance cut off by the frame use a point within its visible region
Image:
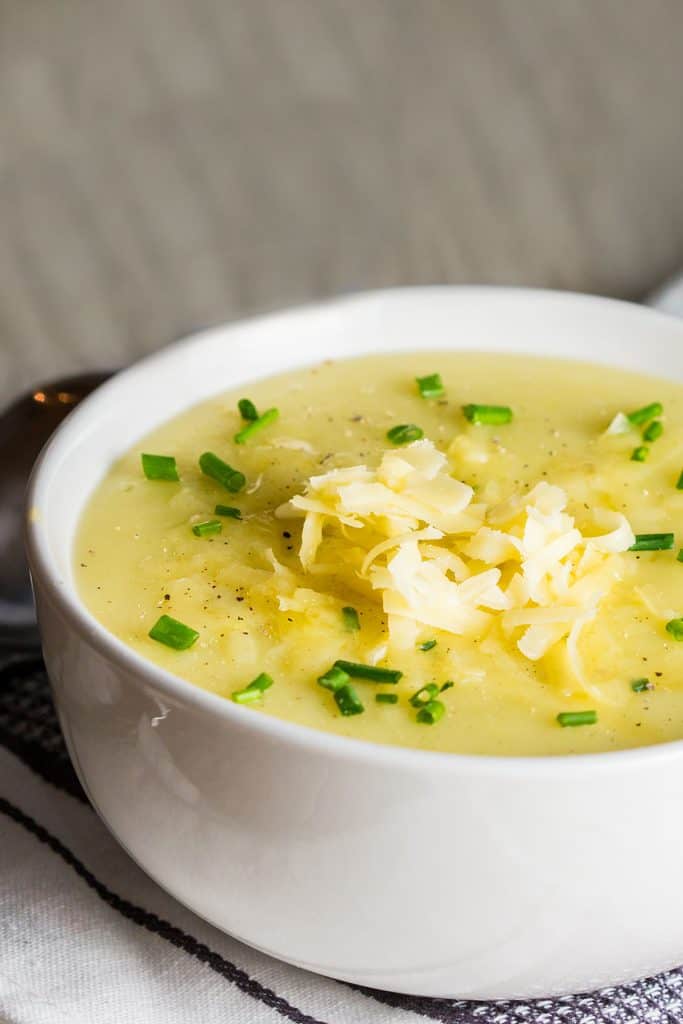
[679, 556]
[404, 433]
[254, 690]
[269, 416]
[208, 528]
[653, 431]
[334, 678]
[246, 696]
[640, 453]
[372, 672]
[173, 633]
[640, 685]
[653, 542]
[431, 712]
[430, 386]
[386, 698]
[648, 412]
[424, 695]
[447, 685]
[227, 510]
[159, 467]
[262, 682]
[221, 472]
[566, 718]
[675, 628]
[487, 414]
[247, 409]
[679, 482]
[350, 619]
[348, 701]
[428, 645]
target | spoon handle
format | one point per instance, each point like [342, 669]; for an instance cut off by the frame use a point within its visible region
[25, 426]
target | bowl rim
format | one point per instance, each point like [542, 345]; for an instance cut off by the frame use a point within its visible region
[147, 673]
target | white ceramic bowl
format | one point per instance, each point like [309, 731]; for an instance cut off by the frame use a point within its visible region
[436, 874]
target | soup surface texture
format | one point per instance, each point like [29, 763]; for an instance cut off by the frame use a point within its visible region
[496, 556]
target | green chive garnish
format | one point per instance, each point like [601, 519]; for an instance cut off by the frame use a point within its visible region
[640, 453]
[431, 712]
[246, 696]
[675, 628]
[227, 510]
[350, 618]
[424, 695]
[254, 690]
[648, 412]
[566, 718]
[247, 409]
[404, 433]
[447, 686]
[655, 430]
[173, 633]
[348, 701]
[386, 698]
[679, 556]
[262, 682]
[640, 685]
[428, 645]
[208, 528]
[371, 672]
[487, 414]
[334, 679]
[430, 386]
[221, 472]
[159, 467]
[653, 542]
[679, 483]
[269, 416]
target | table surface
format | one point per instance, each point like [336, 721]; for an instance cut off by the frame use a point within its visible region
[168, 164]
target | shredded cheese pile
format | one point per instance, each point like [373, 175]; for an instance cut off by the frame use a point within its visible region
[415, 538]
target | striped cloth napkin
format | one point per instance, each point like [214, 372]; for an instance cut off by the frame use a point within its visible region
[87, 938]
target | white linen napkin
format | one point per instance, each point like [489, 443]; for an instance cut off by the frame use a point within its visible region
[87, 938]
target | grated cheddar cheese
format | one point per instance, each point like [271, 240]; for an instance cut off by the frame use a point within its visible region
[436, 558]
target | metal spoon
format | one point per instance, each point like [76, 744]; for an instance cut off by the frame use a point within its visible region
[24, 428]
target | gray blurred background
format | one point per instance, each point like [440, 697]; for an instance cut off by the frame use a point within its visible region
[168, 164]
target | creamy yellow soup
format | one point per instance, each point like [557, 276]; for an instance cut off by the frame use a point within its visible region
[258, 609]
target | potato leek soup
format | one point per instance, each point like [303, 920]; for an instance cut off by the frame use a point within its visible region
[460, 552]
